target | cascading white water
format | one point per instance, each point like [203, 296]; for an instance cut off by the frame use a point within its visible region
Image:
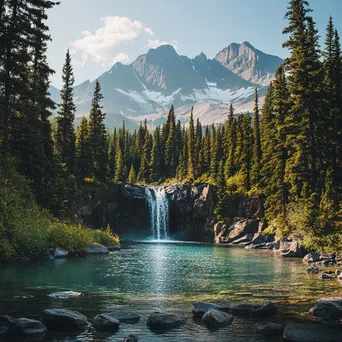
[159, 211]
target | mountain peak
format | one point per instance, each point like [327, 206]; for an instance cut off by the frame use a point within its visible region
[248, 44]
[201, 57]
[165, 49]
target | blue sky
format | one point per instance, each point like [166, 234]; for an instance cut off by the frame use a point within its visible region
[98, 33]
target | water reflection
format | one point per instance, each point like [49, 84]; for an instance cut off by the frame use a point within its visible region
[143, 278]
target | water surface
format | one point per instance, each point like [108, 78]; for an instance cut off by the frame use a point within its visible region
[143, 278]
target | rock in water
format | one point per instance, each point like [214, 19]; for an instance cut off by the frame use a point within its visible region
[65, 294]
[200, 308]
[269, 329]
[214, 319]
[132, 338]
[61, 319]
[309, 332]
[96, 248]
[242, 309]
[296, 250]
[264, 309]
[311, 257]
[328, 308]
[24, 328]
[60, 253]
[127, 318]
[159, 321]
[106, 323]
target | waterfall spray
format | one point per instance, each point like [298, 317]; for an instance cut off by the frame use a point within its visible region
[159, 211]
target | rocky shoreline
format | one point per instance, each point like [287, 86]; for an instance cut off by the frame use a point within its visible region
[325, 324]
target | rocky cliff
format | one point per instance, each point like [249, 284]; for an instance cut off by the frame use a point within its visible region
[191, 211]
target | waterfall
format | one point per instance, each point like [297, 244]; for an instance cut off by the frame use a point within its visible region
[158, 205]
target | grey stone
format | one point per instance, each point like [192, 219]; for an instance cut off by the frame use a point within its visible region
[96, 248]
[106, 322]
[200, 308]
[242, 309]
[214, 319]
[61, 319]
[312, 257]
[27, 329]
[264, 309]
[269, 329]
[164, 321]
[328, 308]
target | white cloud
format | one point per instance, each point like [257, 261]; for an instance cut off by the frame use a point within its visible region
[110, 38]
[155, 43]
[121, 57]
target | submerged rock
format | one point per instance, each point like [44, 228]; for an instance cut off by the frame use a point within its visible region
[269, 329]
[327, 276]
[24, 328]
[65, 294]
[96, 248]
[313, 270]
[214, 319]
[264, 309]
[242, 309]
[124, 317]
[200, 308]
[106, 323]
[61, 319]
[308, 332]
[328, 308]
[159, 321]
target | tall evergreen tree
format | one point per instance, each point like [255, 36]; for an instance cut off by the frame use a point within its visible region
[191, 148]
[256, 141]
[83, 150]
[98, 136]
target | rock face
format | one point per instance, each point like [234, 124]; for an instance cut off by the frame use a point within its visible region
[328, 308]
[159, 321]
[243, 228]
[269, 329]
[200, 308]
[96, 248]
[128, 318]
[24, 328]
[308, 332]
[105, 322]
[61, 319]
[214, 319]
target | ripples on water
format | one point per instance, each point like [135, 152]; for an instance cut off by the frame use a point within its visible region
[143, 278]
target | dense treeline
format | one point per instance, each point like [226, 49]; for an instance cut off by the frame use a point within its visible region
[288, 151]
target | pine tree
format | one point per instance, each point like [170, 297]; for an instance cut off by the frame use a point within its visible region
[191, 149]
[112, 155]
[98, 136]
[213, 155]
[222, 195]
[83, 150]
[132, 177]
[65, 139]
[256, 142]
[171, 144]
[144, 171]
[119, 162]
[155, 162]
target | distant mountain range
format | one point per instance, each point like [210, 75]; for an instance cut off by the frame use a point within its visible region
[147, 87]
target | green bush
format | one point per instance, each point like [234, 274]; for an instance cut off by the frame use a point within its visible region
[27, 231]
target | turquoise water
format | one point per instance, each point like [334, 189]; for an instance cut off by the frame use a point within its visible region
[142, 278]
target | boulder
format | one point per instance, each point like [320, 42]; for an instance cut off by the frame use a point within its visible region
[308, 332]
[328, 308]
[96, 248]
[243, 309]
[296, 250]
[127, 318]
[61, 319]
[104, 322]
[242, 228]
[24, 328]
[264, 309]
[114, 248]
[60, 253]
[269, 329]
[160, 321]
[5, 321]
[200, 308]
[328, 256]
[311, 257]
[132, 338]
[214, 319]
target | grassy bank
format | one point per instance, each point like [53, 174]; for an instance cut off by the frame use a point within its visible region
[27, 231]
